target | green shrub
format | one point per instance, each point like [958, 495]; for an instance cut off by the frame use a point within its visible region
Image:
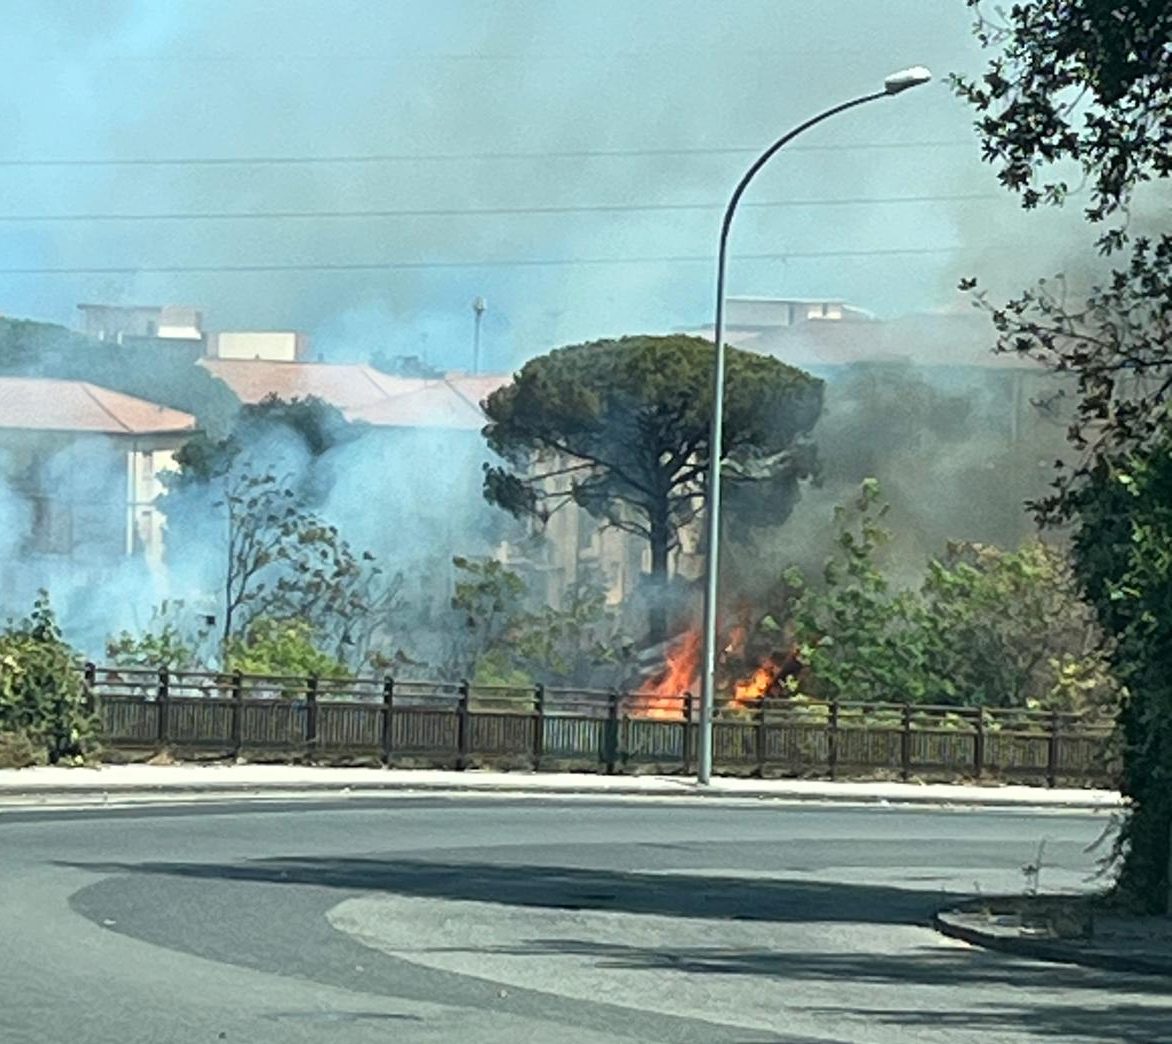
[281, 647]
[166, 642]
[42, 695]
[19, 750]
[987, 627]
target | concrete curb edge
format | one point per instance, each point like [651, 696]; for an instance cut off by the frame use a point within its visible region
[1047, 950]
[683, 790]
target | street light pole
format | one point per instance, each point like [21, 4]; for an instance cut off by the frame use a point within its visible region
[894, 84]
[479, 307]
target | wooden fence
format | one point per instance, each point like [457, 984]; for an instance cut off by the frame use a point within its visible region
[442, 724]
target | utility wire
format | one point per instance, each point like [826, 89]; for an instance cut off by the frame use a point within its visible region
[583, 208]
[398, 266]
[454, 157]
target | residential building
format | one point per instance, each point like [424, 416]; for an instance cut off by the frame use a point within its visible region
[554, 556]
[80, 474]
[119, 322]
[270, 345]
[753, 314]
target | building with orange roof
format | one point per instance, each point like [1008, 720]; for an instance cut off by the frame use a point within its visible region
[80, 468]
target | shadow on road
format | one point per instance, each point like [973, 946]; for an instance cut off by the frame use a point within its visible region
[996, 1021]
[574, 888]
[930, 965]
[992, 995]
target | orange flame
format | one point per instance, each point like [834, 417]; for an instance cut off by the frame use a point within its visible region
[663, 697]
[752, 689]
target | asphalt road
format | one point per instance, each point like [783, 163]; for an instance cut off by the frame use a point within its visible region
[495, 920]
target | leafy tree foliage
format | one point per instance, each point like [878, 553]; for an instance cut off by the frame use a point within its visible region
[507, 642]
[859, 637]
[42, 699]
[620, 428]
[1090, 81]
[283, 647]
[276, 558]
[169, 640]
[986, 627]
[1124, 550]
[1011, 629]
[284, 563]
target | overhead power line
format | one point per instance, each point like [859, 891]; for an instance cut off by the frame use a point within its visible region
[456, 157]
[398, 266]
[569, 208]
[389, 58]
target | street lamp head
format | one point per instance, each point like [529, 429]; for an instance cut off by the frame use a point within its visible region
[905, 78]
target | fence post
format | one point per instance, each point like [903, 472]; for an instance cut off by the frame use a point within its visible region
[538, 725]
[832, 740]
[237, 738]
[1052, 752]
[163, 696]
[689, 714]
[762, 739]
[905, 744]
[462, 726]
[311, 715]
[979, 745]
[90, 681]
[610, 742]
[386, 720]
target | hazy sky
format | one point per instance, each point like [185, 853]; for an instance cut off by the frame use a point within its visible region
[485, 113]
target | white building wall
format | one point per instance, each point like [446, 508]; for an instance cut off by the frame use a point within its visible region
[272, 345]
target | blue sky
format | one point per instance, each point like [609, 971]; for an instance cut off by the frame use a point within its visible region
[506, 112]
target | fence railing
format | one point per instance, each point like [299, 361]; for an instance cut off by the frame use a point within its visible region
[455, 724]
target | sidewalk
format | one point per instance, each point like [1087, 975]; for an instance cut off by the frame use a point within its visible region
[152, 782]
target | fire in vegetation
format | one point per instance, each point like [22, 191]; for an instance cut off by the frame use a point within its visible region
[665, 695]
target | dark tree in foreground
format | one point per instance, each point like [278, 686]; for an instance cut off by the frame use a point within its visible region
[620, 428]
[1089, 83]
[1082, 81]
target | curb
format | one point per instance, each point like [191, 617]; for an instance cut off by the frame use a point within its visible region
[681, 791]
[1049, 950]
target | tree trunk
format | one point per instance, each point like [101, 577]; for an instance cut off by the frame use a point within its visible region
[657, 613]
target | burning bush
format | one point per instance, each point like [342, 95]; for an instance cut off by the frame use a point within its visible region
[985, 627]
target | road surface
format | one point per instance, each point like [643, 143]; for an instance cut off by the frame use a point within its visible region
[493, 920]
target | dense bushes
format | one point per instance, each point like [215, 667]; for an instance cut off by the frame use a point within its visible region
[1123, 548]
[43, 707]
[984, 627]
[280, 647]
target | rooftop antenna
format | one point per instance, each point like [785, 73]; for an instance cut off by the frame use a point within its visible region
[479, 307]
